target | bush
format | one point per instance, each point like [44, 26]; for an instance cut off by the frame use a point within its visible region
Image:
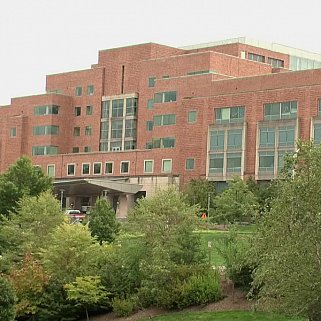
[124, 307]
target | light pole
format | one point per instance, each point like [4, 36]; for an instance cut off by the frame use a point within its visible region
[61, 197]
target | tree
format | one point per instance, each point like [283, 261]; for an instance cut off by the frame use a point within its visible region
[86, 290]
[236, 203]
[7, 301]
[288, 245]
[21, 179]
[102, 221]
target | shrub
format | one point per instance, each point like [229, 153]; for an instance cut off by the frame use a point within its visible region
[125, 307]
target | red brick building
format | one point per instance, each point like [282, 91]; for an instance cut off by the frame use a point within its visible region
[150, 115]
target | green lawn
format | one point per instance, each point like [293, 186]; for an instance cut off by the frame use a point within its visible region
[224, 316]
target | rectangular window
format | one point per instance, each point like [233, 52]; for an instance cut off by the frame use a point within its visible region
[130, 128]
[109, 166]
[103, 146]
[150, 103]
[149, 145]
[105, 109]
[97, 168]
[77, 111]
[267, 137]
[317, 134]
[116, 146]
[13, 132]
[88, 130]
[164, 120]
[189, 163]
[168, 142]
[104, 130]
[148, 166]
[234, 139]
[216, 162]
[266, 161]
[89, 110]
[124, 167]
[116, 129]
[78, 91]
[51, 170]
[217, 140]
[44, 150]
[76, 131]
[46, 110]
[149, 125]
[165, 97]
[234, 161]
[131, 106]
[151, 81]
[129, 145]
[45, 130]
[286, 136]
[85, 168]
[118, 108]
[282, 110]
[75, 150]
[90, 90]
[191, 116]
[71, 169]
[255, 57]
[87, 149]
[276, 63]
[229, 115]
[166, 166]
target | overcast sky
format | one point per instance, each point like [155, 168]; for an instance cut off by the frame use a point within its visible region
[40, 37]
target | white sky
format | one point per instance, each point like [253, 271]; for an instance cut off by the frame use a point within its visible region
[40, 37]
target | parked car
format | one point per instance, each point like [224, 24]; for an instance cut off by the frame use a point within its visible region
[75, 215]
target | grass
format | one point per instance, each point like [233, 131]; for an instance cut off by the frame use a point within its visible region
[224, 316]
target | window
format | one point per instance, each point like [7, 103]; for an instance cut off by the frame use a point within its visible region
[281, 158]
[71, 169]
[130, 128]
[78, 91]
[105, 109]
[104, 130]
[151, 81]
[166, 165]
[109, 167]
[149, 145]
[166, 142]
[150, 103]
[286, 136]
[51, 170]
[163, 120]
[13, 132]
[255, 57]
[45, 130]
[44, 150]
[90, 90]
[276, 63]
[149, 125]
[97, 168]
[283, 110]
[148, 166]
[89, 110]
[88, 130]
[266, 161]
[116, 146]
[117, 108]
[217, 140]
[130, 145]
[229, 115]
[116, 128]
[165, 97]
[317, 134]
[216, 162]
[77, 111]
[46, 110]
[191, 116]
[103, 146]
[234, 161]
[267, 137]
[124, 167]
[76, 131]
[87, 149]
[234, 139]
[85, 169]
[131, 106]
[190, 163]
[75, 149]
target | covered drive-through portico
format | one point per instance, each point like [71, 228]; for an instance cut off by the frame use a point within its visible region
[81, 194]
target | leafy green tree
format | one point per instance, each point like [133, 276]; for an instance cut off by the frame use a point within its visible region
[21, 179]
[288, 244]
[7, 301]
[102, 221]
[86, 290]
[236, 203]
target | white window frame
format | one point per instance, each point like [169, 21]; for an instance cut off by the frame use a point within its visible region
[127, 161]
[112, 172]
[74, 169]
[167, 159]
[82, 169]
[94, 168]
[54, 170]
[149, 160]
